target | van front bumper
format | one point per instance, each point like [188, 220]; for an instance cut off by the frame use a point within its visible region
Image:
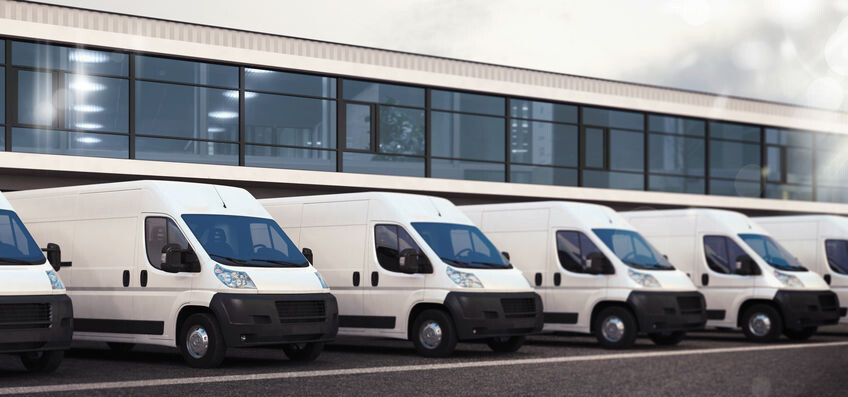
[803, 309]
[35, 323]
[486, 315]
[659, 311]
[264, 319]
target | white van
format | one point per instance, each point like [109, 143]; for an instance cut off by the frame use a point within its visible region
[36, 317]
[747, 278]
[412, 267]
[820, 242]
[200, 267]
[596, 274]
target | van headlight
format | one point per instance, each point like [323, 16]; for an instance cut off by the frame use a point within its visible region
[644, 279]
[55, 281]
[321, 280]
[463, 279]
[234, 279]
[788, 279]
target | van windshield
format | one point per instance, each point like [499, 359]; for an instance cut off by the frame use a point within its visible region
[461, 245]
[17, 247]
[633, 249]
[245, 241]
[772, 252]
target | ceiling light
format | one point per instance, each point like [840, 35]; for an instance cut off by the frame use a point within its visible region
[87, 56]
[215, 129]
[86, 85]
[257, 71]
[223, 114]
[88, 108]
[88, 126]
[88, 139]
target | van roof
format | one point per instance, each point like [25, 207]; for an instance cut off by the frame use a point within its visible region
[731, 221]
[4, 204]
[566, 213]
[829, 223]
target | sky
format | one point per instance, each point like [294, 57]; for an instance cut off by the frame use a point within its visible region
[791, 51]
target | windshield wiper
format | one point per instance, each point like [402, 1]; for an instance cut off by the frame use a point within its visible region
[16, 261]
[233, 261]
[279, 262]
[493, 265]
[454, 261]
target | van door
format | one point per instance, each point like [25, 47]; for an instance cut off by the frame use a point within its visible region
[570, 297]
[390, 293]
[719, 280]
[159, 294]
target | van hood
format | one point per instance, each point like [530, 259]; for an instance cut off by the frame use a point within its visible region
[673, 280]
[810, 279]
[500, 279]
[25, 280]
[276, 280]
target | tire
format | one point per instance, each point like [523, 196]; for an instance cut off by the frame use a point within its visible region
[506, 344]
[433, 333]
[667, 339]
[42, 362]
[762, 323]
[120, 347]
[800, 334]
[199, 331]
[622, 330]
[303, 352]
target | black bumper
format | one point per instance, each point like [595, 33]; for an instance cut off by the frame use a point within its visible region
[668, 311]
[260, 320]
[485, 315]
[35, 323]
[802, 309]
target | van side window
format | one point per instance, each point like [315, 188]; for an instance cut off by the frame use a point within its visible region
[158, 232]
[390, 241]
[837, 255]
[573, 250]
[721, 254]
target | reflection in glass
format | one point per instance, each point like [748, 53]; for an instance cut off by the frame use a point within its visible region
[186, 151]
[358, 126]
[401, 130]
[96, 103]
[614, 180]
[789, 192]
[185, 111]
[676, 125]
[595, 153]
[35, 98]
[72, 143]
[69, 59]
[166, 69]
[542, 175]
[735, 188]
[734, 160]
[381, 164]
[677, 184]
[734, 131]
[789, 138]
[389, 94]
[468, 170]
[677, 155]
[2, 93]
[542, 143]
[467, 136]
[465, 102]
[293, 121]
[832, 194]
[613, 118]
[627, 150]
[545, 111]
[289, 83]
[292, 158]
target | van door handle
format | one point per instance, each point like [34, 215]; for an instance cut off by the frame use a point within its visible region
[557, 279]
[538, 279]
[705, 279]
[355, 279]
[375, 279]
[126, 278]
[143, 278]
[827, 279]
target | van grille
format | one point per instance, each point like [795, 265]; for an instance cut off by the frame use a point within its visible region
[519, 307]
[25, 315]
[301, 311]
[689, 304]
[828, 302]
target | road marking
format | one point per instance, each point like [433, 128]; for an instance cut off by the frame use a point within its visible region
[391, 369]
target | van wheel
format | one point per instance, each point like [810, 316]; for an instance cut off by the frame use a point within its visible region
[615, 328]
[303, 352]
[201, 343]
[433, 334]
[43, 362]
[667, 338]
[800, 334]
[120, 347]
[506, 344]
[762, 323]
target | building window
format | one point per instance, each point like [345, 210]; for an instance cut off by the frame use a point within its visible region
[789, 164]
[543, 143]
[735, 168]
[613, 157]
[831, 161]
[676, 154]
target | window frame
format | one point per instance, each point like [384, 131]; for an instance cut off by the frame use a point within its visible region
[398, 230]
[727, 240]
[167, 238]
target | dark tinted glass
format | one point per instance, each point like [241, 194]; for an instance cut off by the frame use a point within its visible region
[774, 163]
[289, 83]
[96, 103]
[738, 132]
[401, 130]
[467, 136]
[545, 111]
[292, 121]
[735, 160]
[185, 112]
[595, 153]
[789, 138]
[2, 93]
[390, 241]
[383, 93]
[676, 125]
[358, 126]
[837, 255]
[461, 245]
[627, 150]
[464, 102]
[187, 151]
[381, 164]
[468, 170]
[573, 251]
[159, 232]
[245, 241]
[715, 252]
[542, 175]
[737, 187]
[77, 60]
[180, 71]
[614, 180]
[17, 247]
[293, 158]
[3, 53]
[536, 142]
[613, 118]
[677, 184]
[35, 98]
[676, 155]
[73, 143]
[633, 249]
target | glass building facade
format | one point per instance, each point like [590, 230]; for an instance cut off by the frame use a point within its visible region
[104, 103]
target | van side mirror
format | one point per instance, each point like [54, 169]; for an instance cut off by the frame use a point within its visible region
[54, 255]
[506, 255]
[408, 261]
[746, 266]
[172, 258]
[599, 264]
[307, 253]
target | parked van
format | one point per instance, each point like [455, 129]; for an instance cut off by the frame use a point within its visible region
[748, 279]
[820, 242]
[36, 317]
[200, 267]
[412, 267]
[596, 274]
